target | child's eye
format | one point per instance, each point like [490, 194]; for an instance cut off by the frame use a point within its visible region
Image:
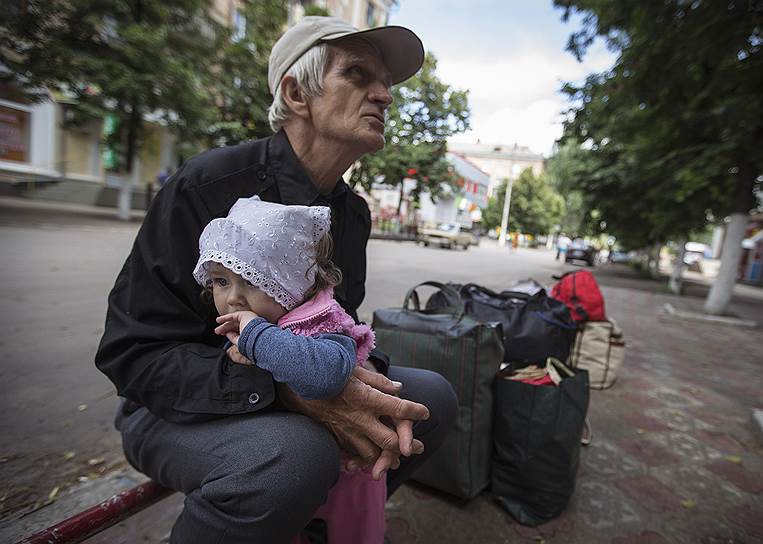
[219, 282]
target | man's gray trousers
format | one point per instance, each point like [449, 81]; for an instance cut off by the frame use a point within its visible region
[258, 478]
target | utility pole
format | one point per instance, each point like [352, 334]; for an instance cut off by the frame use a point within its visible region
[505, 217]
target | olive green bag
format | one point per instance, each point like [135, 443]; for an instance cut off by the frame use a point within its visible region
[468, 354]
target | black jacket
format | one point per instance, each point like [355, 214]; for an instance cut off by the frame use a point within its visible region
[158, 347]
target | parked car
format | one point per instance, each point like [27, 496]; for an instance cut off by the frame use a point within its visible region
[619, 257]
[580, 251]
[450, 235]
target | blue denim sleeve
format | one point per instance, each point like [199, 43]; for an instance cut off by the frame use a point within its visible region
[315, 367]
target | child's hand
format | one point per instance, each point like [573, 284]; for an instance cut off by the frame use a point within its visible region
[233, 324]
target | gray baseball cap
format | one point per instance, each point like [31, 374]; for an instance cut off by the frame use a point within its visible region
[401, 50]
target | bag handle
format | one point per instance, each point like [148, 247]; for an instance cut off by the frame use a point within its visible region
[450, 293]
[553, 321]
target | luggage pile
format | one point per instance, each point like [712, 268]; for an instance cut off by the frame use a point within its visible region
[520, 362]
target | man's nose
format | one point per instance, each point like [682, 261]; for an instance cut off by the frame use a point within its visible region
[379, 94]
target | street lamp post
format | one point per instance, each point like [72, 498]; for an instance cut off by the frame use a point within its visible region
[515, 168]
[505, 216]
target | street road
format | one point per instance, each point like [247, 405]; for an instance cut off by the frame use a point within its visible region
[57, 269]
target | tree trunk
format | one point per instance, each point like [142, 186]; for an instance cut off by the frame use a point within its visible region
[653, 263]
[723, 287]
[132, 169]
[675, 284]
[720, 293]
[400, 202]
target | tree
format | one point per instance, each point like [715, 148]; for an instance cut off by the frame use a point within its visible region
[566, 172]
[536, 208]
[675, 126]
[424, 114]
[240, 86]
[125, 60]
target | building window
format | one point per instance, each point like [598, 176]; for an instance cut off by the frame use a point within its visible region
[371, 14]
[14, 134]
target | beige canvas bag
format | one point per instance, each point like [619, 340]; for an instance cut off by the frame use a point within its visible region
[600, 349]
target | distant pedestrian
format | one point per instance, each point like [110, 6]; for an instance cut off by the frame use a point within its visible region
[161, 178]
[562, 243]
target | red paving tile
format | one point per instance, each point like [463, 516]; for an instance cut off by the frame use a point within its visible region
[739, 476]
[641, 421]
[649, 493]
[564, 524]
[722, 442]
[399, 531]
[648, 452]
[748, 519]
[644, 537]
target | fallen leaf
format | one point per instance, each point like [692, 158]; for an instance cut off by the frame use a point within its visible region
[68, 455]
[53, 493]
[83, 479]
[82, 407]
[95, 461]
[640, 431]
[734, 459]
[689, 503]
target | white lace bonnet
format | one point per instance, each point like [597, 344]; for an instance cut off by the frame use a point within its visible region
[272, 246]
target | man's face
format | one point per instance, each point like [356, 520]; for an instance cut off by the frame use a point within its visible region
[351, 110]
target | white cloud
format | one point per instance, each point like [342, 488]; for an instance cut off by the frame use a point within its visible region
[516, 98]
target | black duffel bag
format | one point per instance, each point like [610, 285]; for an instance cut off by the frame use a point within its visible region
[535, 327]
[536, 438]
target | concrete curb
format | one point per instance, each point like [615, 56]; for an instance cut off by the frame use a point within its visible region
[707, 318]
[71, 501]
[757, 419]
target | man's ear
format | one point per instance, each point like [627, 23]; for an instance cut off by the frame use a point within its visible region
[294, 97]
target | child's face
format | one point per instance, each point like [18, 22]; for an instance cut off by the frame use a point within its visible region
[232, 293]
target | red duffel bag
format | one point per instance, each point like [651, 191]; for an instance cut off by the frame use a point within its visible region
[580, 292]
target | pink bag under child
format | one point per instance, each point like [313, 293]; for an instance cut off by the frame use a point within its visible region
[354, 510]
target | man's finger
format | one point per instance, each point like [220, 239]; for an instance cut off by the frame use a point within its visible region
[395, 407]
[404, 429]
[360, 445]
[377, 381]
[381, 435]
[386, 461]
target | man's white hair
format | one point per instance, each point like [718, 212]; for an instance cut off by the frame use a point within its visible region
[308, 71]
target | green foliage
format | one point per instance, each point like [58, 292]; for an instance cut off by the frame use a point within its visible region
[565, 171]
[536, 207]
[425, 112]
[240, 83]
[316, 10]
[671, 134]
[129, 59]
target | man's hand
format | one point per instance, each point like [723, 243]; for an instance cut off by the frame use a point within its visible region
[236, 357]
[353, 418]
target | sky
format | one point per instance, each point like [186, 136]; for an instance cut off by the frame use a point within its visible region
[511, 55]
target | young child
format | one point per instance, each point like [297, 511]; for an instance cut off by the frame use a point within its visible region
[268, 267]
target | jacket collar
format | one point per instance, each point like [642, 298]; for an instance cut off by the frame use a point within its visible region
[320, 304]
[294, 185]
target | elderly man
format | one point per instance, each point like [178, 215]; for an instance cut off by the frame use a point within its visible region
[253, 459]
